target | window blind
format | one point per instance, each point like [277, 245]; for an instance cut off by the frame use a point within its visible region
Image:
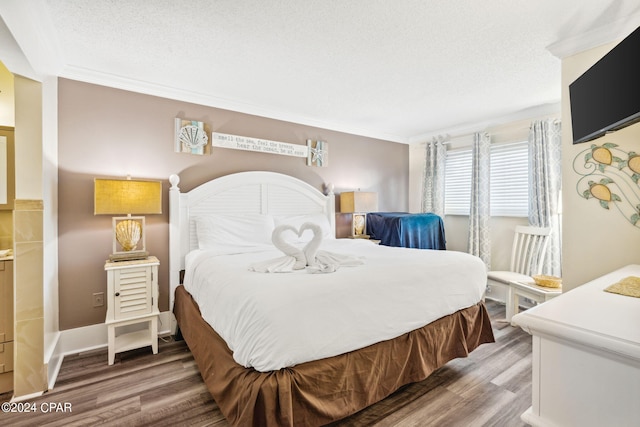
[509, 177]
[457, 182]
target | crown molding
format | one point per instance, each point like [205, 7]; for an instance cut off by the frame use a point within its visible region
[148, 88]
[532, 113]
[595, 37]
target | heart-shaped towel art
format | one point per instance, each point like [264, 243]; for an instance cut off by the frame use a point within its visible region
[278, 239]
[305, 256]
[308, 256]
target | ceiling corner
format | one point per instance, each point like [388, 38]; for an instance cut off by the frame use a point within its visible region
[595, 37]
[33, 32]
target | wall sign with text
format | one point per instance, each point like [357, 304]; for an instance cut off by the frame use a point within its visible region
[246, 143]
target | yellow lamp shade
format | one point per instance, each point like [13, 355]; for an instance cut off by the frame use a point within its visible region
[358, 201]
[127, 196]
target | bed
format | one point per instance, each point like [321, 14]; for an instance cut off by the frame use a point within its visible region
[297, 348]
[408, 230]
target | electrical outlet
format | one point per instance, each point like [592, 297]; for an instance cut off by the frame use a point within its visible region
[98, 299]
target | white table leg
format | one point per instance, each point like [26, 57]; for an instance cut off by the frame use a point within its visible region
[515, 304]
[154, 334]
[111, 333]
[510, 304]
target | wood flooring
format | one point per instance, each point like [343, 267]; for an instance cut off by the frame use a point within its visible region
[491, 387]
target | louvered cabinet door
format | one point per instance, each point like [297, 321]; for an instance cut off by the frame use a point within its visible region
[132, 288]
[132, 292]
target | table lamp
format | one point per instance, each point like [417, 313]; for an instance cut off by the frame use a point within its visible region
[358, 203]
[127, 196]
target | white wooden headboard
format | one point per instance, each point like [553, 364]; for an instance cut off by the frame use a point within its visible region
[240, 193]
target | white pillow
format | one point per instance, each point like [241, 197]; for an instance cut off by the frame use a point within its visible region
[216, 230]
[297, 220]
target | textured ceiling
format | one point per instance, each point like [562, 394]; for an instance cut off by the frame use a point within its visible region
[393, 69]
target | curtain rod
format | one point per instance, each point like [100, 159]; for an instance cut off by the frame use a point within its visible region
[523, 124]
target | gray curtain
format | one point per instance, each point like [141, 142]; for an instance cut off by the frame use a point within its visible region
[479, 239]
[545, 183]
[433, 177]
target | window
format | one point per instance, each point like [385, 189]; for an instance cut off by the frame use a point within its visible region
[509, 177]
[457, 182]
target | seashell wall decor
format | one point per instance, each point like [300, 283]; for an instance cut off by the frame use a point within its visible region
[191, 137]
[612, 177]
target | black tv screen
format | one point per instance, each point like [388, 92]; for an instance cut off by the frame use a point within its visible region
[607, 96]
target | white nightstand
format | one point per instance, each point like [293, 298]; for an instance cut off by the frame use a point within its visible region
[132, 298]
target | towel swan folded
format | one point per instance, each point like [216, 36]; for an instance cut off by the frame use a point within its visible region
[309, 257]
[300, 260]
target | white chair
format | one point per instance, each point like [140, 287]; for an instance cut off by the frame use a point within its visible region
[529, 248]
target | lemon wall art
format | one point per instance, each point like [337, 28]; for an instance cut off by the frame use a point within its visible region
[612, 177]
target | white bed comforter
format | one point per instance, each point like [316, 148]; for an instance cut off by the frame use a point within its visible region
[273, 321]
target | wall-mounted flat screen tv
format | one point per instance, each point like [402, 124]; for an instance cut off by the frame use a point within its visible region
[607, 96]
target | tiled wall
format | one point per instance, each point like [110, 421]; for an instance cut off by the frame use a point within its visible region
[30, 373]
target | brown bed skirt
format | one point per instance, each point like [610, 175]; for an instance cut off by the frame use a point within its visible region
[319, 392]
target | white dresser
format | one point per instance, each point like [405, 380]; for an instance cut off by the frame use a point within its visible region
[586, 356]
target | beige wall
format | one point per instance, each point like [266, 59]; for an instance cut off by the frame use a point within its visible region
[7, 112]
[595, 240]
[501, 234]
[105, 132]
[28, 134]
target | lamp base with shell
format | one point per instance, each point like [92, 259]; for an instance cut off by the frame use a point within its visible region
[128, 236]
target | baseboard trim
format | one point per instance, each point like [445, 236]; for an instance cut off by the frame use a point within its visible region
[92, 337]
[52, 359]
[26, 396]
